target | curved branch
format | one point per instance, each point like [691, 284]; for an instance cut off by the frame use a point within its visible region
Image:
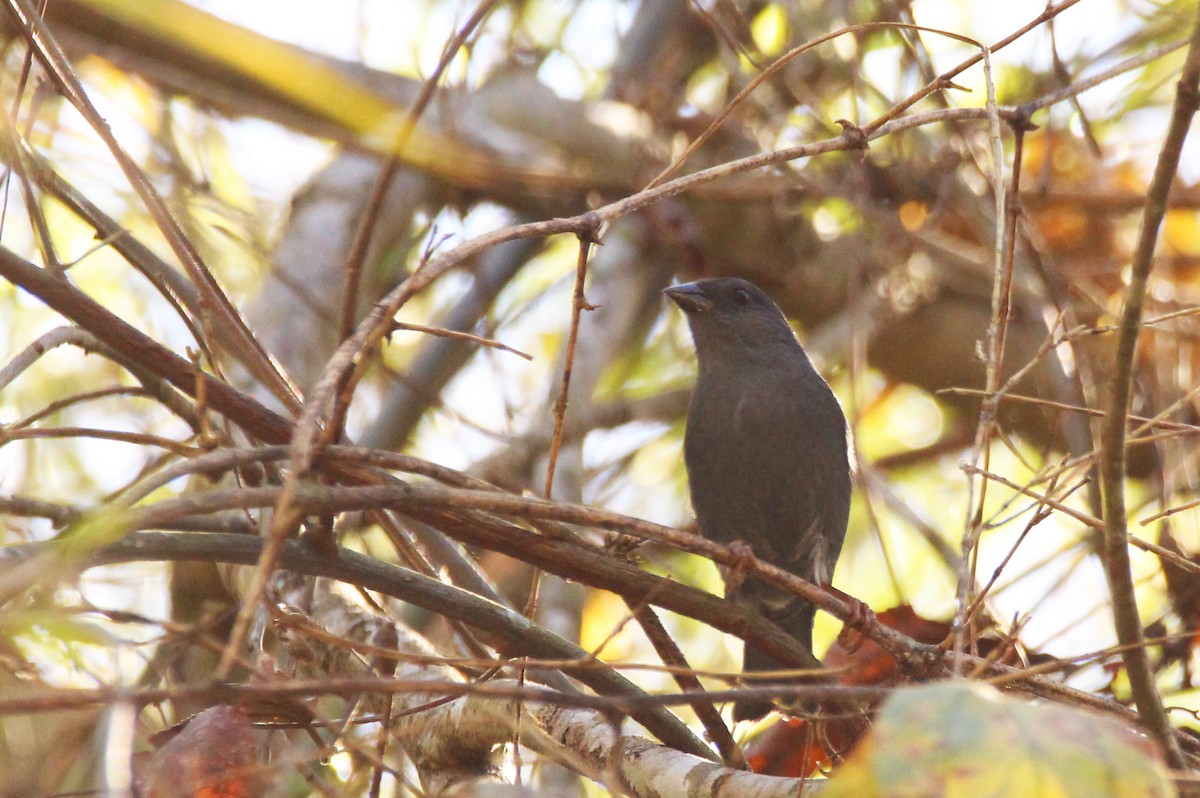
[1113, 462]
[88, 342]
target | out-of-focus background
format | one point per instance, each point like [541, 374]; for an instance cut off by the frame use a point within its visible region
[264, 128]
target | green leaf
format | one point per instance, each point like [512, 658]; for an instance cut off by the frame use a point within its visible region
[967, 739]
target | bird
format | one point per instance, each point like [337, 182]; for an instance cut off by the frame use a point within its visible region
[767, 452]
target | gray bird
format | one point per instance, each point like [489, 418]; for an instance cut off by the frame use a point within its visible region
[767, 453]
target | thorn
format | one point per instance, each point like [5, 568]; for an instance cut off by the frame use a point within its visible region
[589, 228]
[853, 134]
[1019, 121]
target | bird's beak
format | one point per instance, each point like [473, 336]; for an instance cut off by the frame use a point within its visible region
[689, 297]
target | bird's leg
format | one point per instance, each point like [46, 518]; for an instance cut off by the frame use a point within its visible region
[862, 617]
[735, 574]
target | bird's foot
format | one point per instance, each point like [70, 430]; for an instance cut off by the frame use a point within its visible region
[735, 575]
[861, 618]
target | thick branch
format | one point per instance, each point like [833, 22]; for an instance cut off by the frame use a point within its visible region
[512, 632]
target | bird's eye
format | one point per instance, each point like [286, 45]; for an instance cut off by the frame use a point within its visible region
[742, 297]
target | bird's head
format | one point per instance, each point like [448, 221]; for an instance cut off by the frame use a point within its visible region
[729, 314]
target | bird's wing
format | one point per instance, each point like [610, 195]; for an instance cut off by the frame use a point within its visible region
[764, 469]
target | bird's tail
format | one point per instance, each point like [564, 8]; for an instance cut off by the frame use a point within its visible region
[796, 617]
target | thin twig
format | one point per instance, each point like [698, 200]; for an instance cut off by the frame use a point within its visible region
[993, 354]
[57, 65]
[668, 651]
[458, 335]
[578, 304]
[357, 256]
[134, 438]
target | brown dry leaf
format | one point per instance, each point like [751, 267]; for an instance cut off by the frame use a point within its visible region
[213, 755]
[791, 748]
